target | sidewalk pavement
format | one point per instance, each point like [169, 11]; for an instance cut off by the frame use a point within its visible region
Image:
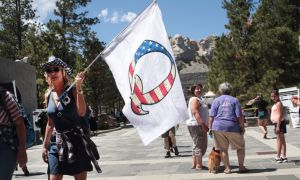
[124, 157]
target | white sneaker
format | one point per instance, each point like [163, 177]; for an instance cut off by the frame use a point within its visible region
[285, 159]
[278, 160]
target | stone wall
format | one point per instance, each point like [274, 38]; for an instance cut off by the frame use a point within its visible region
[189, 79]
[24, 76]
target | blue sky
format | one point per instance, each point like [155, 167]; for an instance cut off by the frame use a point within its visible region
[195, 19]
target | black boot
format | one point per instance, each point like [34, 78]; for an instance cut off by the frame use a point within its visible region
[171, 150]
[25, 171]
[176, 150]
[168, 154]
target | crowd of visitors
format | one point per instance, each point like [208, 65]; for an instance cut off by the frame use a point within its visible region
[66, 148]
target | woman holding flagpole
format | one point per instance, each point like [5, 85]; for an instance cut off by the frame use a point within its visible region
[64, 147]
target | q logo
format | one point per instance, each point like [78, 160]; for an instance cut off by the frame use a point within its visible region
[154, 96]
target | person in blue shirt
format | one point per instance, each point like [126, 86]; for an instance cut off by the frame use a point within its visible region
[226, 123]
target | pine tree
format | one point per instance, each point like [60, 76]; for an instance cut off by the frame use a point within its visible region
[100, 87]
[68, 32]
[231, 62]
[261, 50]
[14, 16]
[274, 45]
[36, 49]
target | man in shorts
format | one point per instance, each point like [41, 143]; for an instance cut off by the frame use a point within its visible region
[170, 142]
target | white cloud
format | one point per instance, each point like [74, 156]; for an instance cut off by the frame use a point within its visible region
[116, 16]
[103, 13]
[44, 8]
[41, 26]
[128, 17]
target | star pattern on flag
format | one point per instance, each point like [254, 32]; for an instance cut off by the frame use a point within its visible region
[149, 46]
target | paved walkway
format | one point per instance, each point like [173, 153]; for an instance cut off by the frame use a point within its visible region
[123, 157]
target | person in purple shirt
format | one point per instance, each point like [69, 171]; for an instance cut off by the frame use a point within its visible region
[226, 123]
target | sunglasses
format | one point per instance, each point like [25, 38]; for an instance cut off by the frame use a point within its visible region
[53, 69]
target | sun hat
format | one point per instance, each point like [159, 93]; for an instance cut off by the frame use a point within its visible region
[54, 61]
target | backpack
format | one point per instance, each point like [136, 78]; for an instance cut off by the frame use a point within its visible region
[30, 134]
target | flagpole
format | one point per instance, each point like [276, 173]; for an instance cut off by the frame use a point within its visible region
[65, 93]
[86, 69]
[100, 54]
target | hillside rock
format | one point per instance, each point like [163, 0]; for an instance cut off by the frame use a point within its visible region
[192, 56]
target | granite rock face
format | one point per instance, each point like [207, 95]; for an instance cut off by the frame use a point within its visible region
[192, 56]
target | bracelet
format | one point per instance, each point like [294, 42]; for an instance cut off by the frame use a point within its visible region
[80, 92]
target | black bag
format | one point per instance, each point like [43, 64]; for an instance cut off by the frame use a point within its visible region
[91, 144]
[30, 134]
[93, 147]
[29, 131]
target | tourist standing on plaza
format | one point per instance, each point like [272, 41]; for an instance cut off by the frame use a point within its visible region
[197, 125]
[64, 147]
[170, 136]
[12, 136]
[226, 123]
[280, 127]
[262, 113]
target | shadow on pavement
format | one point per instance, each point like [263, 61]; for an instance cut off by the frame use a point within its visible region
[184, 155]
[185, 151]
[184, 146]
[296, 161]
[21, 175]
[260, 170]
[235, 169]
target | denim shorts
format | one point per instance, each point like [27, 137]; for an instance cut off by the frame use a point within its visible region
[8, 160]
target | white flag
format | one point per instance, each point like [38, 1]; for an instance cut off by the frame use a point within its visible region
[142, 63]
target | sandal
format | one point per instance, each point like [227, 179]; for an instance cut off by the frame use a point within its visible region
[244, 170]
[227, 171]
[199, 168]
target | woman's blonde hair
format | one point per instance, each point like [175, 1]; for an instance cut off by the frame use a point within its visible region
[66, 79]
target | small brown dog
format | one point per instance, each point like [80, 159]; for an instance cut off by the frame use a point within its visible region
[214, 159]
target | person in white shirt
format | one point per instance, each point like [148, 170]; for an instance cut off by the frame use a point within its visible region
[197, 125]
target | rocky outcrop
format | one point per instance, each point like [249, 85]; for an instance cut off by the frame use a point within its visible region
[192, 55]
[192, 59]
